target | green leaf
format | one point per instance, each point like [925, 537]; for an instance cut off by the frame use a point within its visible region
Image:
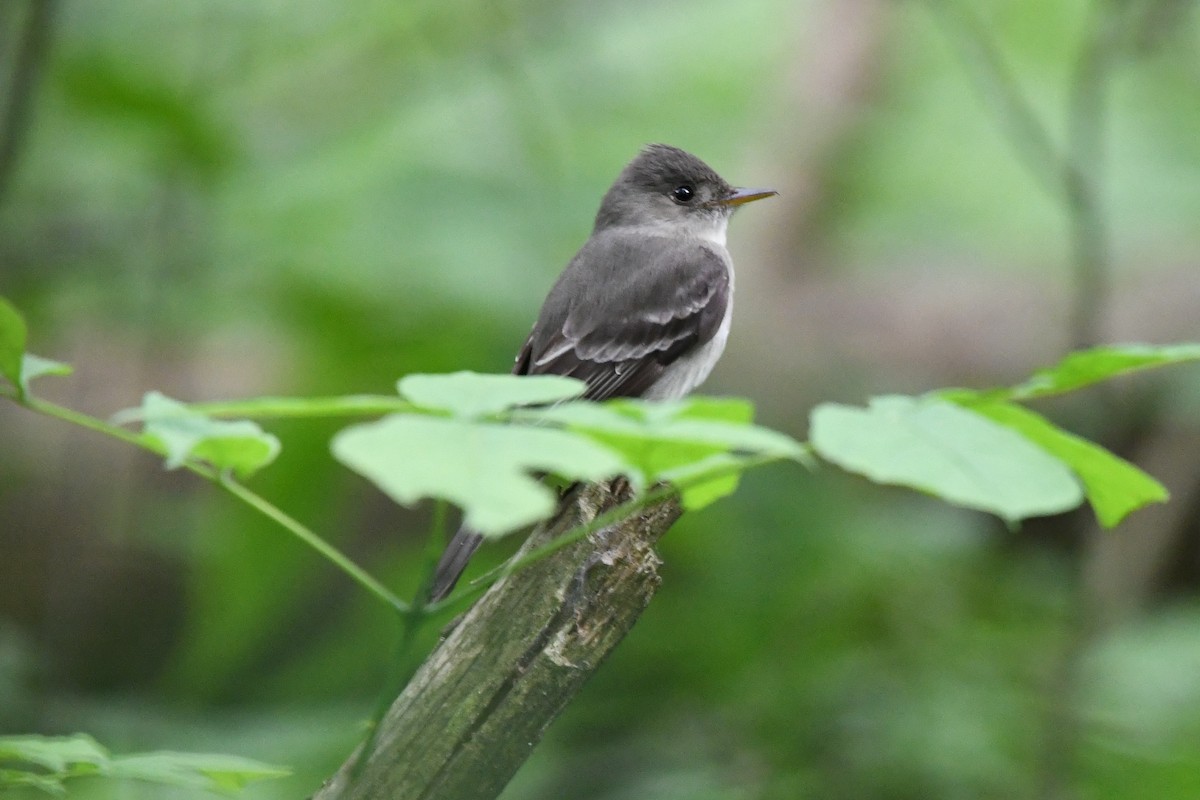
[703, 421]
[668, 440]
[484, 468]
[12, 343]
[472, 395]
[62, 757]
[54, 753]
[35, 367]
[941, 448]
[730, 409]
[212, 771]
[240, 445]
[15, 779]
[699, 490]
[1087, 367]
[17, 366]
[1114, 487]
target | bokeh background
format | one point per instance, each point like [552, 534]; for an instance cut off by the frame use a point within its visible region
[229, 198]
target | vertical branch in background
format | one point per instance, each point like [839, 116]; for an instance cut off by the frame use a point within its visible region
[32, 46]
[1072, 175]
[1083, 175]
[982, 57]
[1116, 28]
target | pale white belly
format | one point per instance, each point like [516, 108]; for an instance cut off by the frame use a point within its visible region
[689, 371]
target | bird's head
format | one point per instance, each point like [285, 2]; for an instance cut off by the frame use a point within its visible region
[665, 187]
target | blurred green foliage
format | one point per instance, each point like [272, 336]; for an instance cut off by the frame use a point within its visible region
[228, 198]
[46, 762]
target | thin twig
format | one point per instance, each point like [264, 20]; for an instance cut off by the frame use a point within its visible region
[1074, 178]
[310, 538]
[360, 405]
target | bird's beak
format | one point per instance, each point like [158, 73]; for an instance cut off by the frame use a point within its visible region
[742, 196]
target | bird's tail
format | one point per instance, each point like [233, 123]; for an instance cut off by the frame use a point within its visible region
[453, 562]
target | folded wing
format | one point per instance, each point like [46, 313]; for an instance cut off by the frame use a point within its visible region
[658, 301]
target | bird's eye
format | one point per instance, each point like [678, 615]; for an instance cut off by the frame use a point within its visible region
[683, 194]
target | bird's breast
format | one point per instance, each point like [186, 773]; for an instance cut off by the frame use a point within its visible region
[689, 370]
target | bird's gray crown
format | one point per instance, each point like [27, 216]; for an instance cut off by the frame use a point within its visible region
[650, 191]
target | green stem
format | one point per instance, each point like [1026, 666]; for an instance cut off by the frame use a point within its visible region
[361, 405]
[226, 482]
[304, 534]
[93, 424]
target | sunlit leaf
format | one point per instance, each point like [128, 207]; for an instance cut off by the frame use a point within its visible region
[1114, 487]
[703, 421]
[1098, 364]
[470, 394]
[667, 440]
[947, 451]
[53, 753]
[729, 409]
[484, 468]
[12, 342]
[699, 488]
[239, 445]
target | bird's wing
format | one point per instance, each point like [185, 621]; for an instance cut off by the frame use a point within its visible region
[619, 337]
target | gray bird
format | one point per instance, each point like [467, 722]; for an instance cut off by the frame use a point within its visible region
[643, 309]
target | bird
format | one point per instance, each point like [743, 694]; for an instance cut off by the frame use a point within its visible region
[643, 309]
